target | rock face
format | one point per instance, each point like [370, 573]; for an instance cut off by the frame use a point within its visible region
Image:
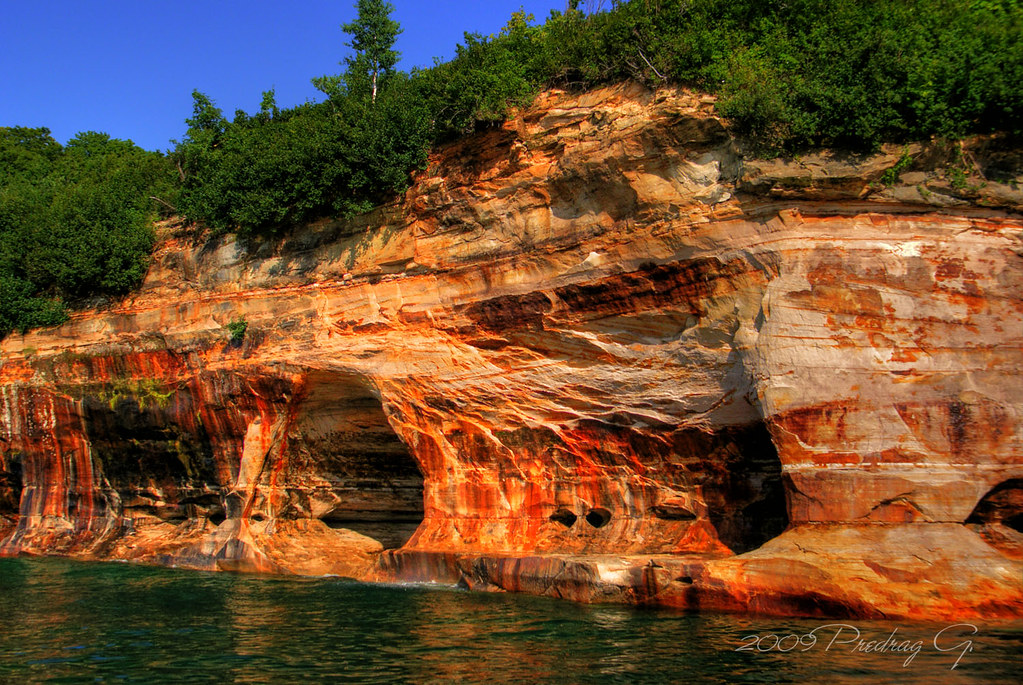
[597, 353]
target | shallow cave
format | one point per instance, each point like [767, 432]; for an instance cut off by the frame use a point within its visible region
[140, 445]
[390, 530]
[598, 517]
[154, 454]
[565, 517]
[10, 487]
[742, 483]
[1002, 504]
[341, 435]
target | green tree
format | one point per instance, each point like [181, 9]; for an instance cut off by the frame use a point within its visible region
[26, 153]
[75, 221]
[373, 34]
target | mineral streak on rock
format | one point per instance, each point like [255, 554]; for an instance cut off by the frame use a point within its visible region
[597, 353]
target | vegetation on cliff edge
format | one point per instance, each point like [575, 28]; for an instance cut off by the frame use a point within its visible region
[789, 74]
[75, 220]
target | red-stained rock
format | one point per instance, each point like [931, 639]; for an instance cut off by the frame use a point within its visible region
[595, 354]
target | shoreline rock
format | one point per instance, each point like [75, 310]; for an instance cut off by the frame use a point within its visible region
[593, 354]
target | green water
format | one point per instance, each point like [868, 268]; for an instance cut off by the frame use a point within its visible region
[71, 622]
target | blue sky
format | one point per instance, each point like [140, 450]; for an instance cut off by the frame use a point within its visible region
[128, 68]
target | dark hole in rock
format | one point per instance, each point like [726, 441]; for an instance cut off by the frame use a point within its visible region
[146, 440]
[142, 441]
[10, 487]
[216, 517]
[258, 516]
[672, 513]
[685, 580]
[1015, 522]
[598, 517]
[342, 434]
[564, 517]
[1002, 504]
[745, 497]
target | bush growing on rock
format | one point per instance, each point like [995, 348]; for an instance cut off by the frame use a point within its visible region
[237, 329]
[848, 73]
[75, 221]
[788, 74]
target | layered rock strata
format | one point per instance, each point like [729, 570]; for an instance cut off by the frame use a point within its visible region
[597, 353]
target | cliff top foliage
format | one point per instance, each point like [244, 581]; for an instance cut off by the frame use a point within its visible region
[75, 220]
[789, 74]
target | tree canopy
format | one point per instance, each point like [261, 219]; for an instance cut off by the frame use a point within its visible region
[75, 221]
[792, 74]
[789, 74]
[373, 34]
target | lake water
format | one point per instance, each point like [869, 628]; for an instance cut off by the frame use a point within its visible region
[73, 622]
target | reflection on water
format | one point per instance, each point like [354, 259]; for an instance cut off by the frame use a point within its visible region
[74, 622]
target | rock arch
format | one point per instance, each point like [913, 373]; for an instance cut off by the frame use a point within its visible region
[345, 464]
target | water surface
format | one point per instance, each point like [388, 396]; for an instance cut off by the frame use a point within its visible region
[72, 622]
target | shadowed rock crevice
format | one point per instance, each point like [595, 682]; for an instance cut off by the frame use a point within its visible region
[998, 518]
[743, 486]
[157, 457]
[1002, 504]
[346, 466]
[564, 517]
[10, 488]
[598, 517]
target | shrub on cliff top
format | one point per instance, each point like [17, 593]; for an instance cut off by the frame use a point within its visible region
[789, 74]
[796, 73]
[282, 168]
[75, 220]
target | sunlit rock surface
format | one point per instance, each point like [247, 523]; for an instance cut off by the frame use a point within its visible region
[597, 353]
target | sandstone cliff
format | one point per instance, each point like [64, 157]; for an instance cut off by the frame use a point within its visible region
[598, 353]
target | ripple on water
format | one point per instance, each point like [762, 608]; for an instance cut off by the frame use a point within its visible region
[77, 622]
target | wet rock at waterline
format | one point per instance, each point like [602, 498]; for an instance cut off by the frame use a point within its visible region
[597, 353]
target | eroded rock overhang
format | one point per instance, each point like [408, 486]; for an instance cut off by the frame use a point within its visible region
[596, 354]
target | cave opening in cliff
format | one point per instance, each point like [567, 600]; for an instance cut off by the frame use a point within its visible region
[161, 465]
[598, 517]
[743, 484]
[354, 470]
[565, 517]
[1002, 504]
[10, 488]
